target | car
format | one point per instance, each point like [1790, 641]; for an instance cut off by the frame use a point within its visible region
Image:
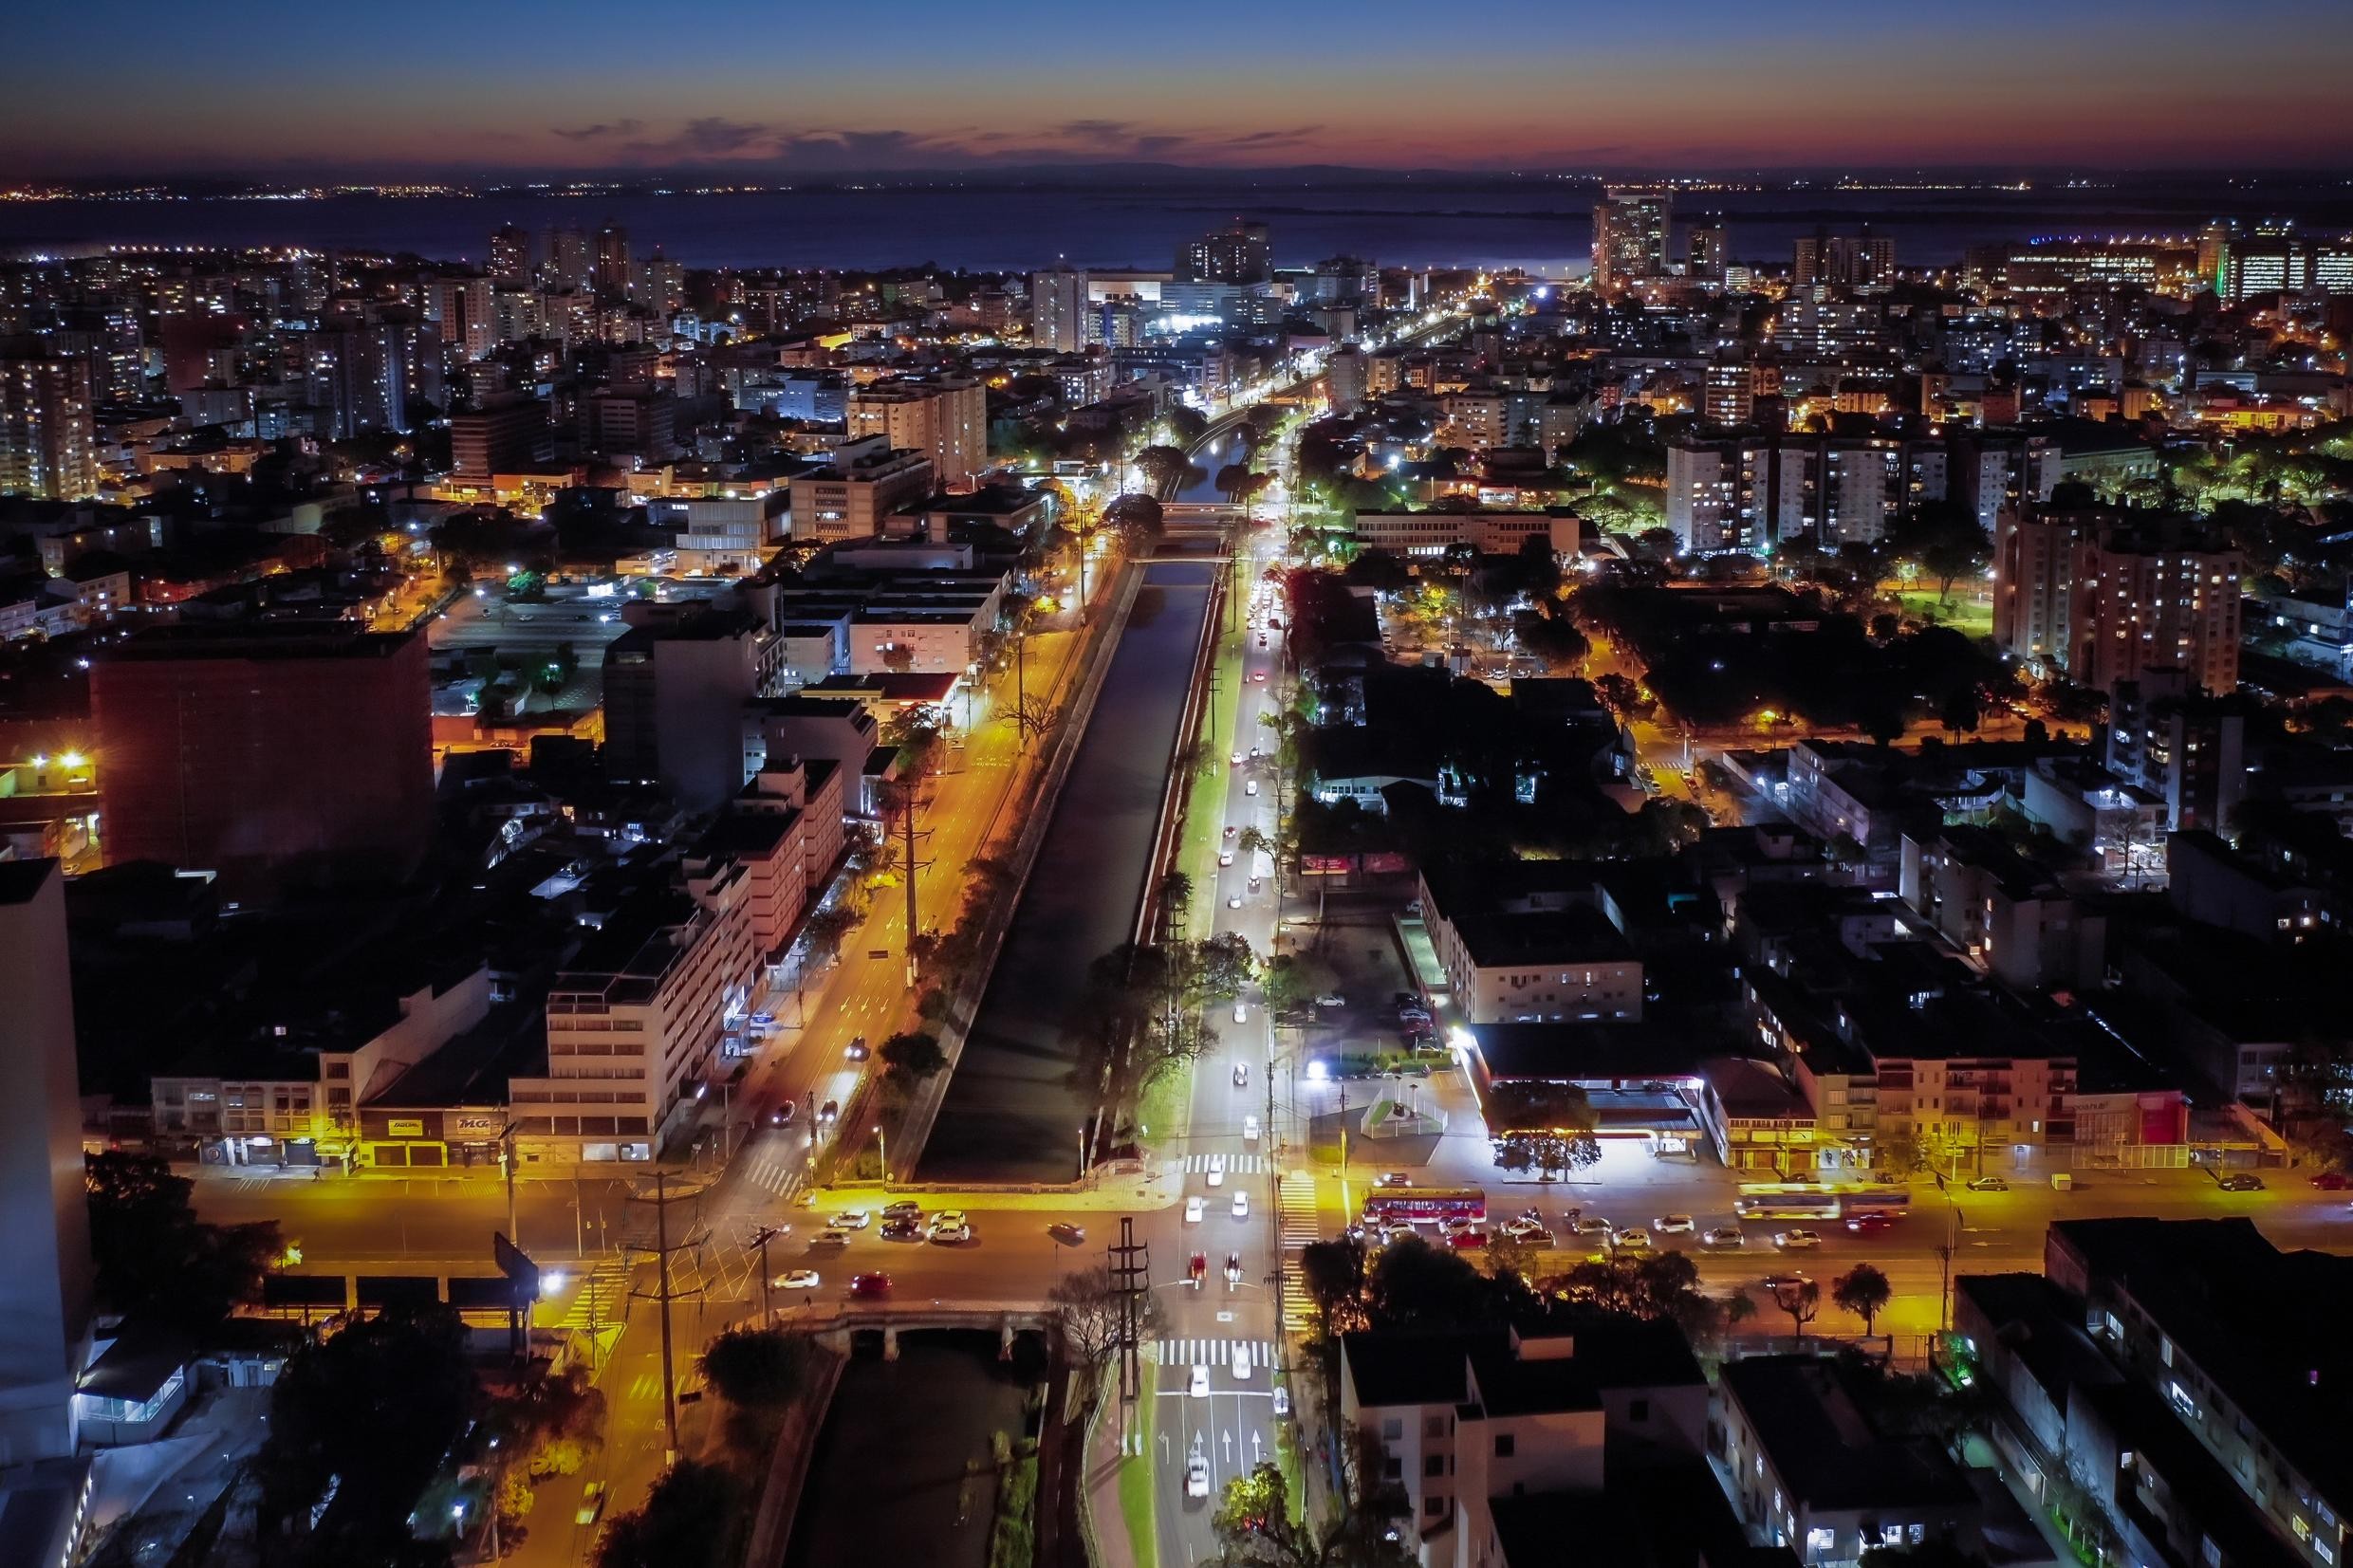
[1250, 786]
[1331, 999]
[1197, 1270]
[1282, 1400]
[950, 1235]
[1250, 1129]
[1200, 1387]
[1394, 1178]
[1216, 1177]
[1225, 856]
[1241, 1206]
[1240, 1365]
[1404, 999]
[1797, 1241]
[1233, 1268]
[855, 1050]
[1253, 884]
[1987, 1184]
[799, 1278]
[833, 1235]
[591, 1503]
[1870, 1222]
[1591, 1225]
[1530, 1232]
[947, 1219]
[829, 1113]
[1466, 1238]
[1194, 1206]
[1241, 1009]
[1235, 759]
[1725, 1235]
[2332, 1181]
[1259, 676]
[1067, 1234]
[1241, 1074]
[851, 1219]
[1674, 1224]
[902, 1229]
[870, 1284]
[1787, 1280]
[1234, 902]
[897, 1207]
[1232, 830]
[782, 1115]
[1632, 1239]
[2242, 1182]
[1197, 1474]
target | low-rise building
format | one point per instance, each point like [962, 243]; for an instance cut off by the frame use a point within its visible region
[1983, 896]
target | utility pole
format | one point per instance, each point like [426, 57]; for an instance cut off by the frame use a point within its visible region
[760, 1239]
[663, 1292]
[507, 1158]
[908, 861]
[1131, 1274]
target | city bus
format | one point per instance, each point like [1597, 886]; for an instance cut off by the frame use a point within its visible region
[1424, 1205]
[1785, 1200]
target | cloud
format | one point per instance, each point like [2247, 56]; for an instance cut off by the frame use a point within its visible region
[711, 136]
[602, 129]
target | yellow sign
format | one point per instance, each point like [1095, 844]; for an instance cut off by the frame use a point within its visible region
[404, 1126]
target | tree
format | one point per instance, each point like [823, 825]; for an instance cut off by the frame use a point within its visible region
[156, 1260]
[757, 1368]
[1545, 1127]
[911, 1058]
[1175, 890]
[1944, 541]
[1411, 1285]
[359, 1422]
[687, 1519]
[1333, 1274]
[1088, 1306]
[1255, 1528]
[1135, 515]
[1801, 1300]
[1863, 1291]
[1164, 466]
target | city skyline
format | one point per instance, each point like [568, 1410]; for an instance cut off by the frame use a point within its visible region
[2099, 85]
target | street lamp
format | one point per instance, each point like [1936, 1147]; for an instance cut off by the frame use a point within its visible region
[882, 1153]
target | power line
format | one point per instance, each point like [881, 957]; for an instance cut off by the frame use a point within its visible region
[664, 1293]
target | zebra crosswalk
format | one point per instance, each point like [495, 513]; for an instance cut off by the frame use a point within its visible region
[1295, 1227]
[1215, 1353]
[602, 1298]
[771, 1175]
[1232, 1165]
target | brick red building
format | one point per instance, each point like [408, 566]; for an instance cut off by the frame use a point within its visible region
[288, 753]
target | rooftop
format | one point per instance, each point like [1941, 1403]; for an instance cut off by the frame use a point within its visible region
[1811, 1417]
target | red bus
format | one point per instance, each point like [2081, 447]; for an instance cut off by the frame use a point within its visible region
[1424, 1205]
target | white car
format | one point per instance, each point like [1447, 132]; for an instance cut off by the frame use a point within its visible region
[1225, 856]
[1241, 1012]
[952, 1235]
[1250, 1129]
[1216, 1177]
[1331, 999]
[851, 1219]
[1633, 1239]
[1200, 1380]
[1726, 1235]
[799, 1279]
[1193, 1209]
[1237, 759]
[1250, 786]
[1196, 1472]
[1797, 1241]
[832, 1236]
[1239, 1366]
[1234, 902]
[1241, 1206]
[1674, 1224]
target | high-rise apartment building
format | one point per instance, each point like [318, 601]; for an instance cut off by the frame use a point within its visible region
[267, 751]
[1058, 309]
[676, 689]
[1239, 253]
[510, 254]
[48, 438]
[1708, 252]
[502, 435]
[1630, 230]
[567, 264]
[2107, 599]
[612, 275]
[460, 308]
[946, 418]
[1864, 261]
[45, 1292]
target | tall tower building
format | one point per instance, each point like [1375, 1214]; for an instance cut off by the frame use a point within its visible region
[1710, 251]
[47, 439]
[945, 418]
[613, 275]
[461, 307]
[1058, 309]
[45, 1225]
[1242, 253]
[510, 254]
[1630, 228]
[567, 265]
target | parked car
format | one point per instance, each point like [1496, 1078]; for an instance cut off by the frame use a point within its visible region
[1331, 999]
[1987, 1184]
[2332, 1181]
[899, 1206]
[902, 1229]
[2243, 1181]
[832, 1236]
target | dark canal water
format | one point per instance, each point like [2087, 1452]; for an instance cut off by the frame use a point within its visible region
[1011, 1115]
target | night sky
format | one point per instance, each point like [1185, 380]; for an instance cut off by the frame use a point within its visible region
[120, 87]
